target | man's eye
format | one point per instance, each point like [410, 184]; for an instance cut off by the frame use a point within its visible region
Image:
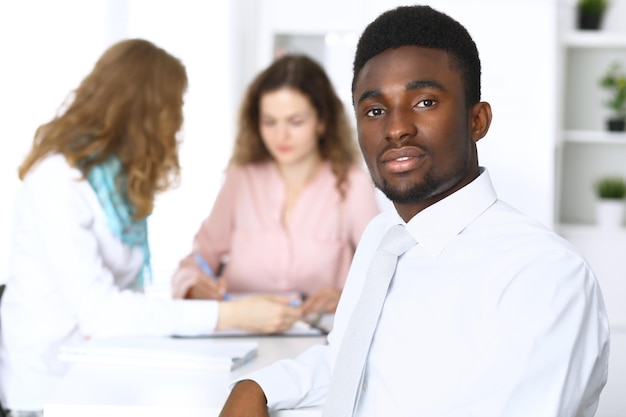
[426, 103]
[374, 112]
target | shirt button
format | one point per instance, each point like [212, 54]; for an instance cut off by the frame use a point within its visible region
[364, 385]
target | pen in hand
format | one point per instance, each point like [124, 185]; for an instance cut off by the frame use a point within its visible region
[206, 268]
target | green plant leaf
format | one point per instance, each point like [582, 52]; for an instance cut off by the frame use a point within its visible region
[611, 187]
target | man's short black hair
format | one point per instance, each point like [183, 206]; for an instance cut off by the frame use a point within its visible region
[425, 27]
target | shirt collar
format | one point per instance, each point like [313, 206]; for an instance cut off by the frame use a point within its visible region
[434, 227]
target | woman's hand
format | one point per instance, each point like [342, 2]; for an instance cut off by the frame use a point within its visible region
[205, 288]
[190, 281]
[259, 314]
[323, 301]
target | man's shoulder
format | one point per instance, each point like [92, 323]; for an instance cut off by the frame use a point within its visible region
[509, 217]
[514, 229]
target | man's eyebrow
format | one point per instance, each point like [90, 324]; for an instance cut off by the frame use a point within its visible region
[413, 85]
[368, 94]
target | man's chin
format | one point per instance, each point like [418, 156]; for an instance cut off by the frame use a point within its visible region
[410, 195]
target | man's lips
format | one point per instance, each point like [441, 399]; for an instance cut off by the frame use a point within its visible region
[403, 159]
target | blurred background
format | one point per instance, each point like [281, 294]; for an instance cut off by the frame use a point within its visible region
[47, 47]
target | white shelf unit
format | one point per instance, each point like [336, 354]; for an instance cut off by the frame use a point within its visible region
[586, 150]
[594, 39]
[595, 136]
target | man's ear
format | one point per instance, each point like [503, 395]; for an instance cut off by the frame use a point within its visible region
[480, 120]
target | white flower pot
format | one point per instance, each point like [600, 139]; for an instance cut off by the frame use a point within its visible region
[609, 213]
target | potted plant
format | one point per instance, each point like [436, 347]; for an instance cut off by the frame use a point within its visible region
[614, 80]
[590, 13]
[610, 191]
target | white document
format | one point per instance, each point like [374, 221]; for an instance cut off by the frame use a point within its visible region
[300, 328]
[181, 353]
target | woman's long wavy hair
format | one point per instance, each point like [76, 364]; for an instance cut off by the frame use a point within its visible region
[130, 107]
[301, 73]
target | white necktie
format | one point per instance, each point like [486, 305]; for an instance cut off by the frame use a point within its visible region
[350, 364]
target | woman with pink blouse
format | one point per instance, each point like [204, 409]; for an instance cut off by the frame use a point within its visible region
[295, 199]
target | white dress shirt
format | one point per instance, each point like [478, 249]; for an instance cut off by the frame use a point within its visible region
[490, 315]
[70, 278]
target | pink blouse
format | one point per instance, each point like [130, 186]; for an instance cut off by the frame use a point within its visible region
[313, 251]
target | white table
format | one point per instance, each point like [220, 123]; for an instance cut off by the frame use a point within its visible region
[103, 391]
[97, 390]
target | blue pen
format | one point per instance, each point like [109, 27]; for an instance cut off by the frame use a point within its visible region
[296, 300]
[206, 268]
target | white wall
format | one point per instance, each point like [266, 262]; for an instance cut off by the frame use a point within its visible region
[45, 52]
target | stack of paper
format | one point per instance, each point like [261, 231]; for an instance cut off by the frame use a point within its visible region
[199, 354]
[300, 328]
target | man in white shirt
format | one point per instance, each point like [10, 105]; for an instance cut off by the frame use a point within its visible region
[490, 314]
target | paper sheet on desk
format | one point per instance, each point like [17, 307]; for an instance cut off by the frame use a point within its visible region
[194, 354]
[300, 328]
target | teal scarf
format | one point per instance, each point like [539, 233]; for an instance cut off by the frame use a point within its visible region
[118, 211]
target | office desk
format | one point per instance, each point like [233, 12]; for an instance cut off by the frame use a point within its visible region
[103, 391]
[96, 390]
